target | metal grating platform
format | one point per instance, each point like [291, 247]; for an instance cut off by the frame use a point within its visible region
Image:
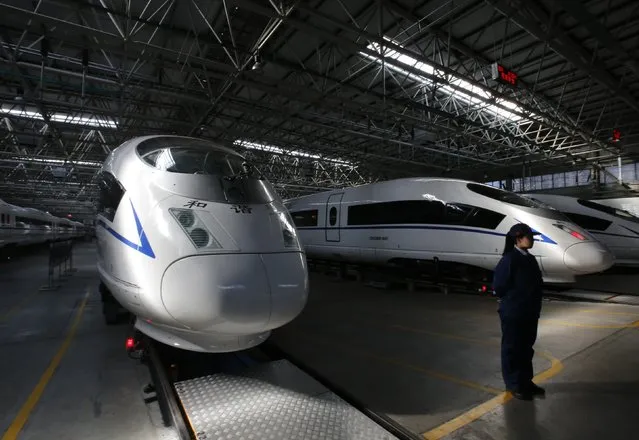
[272, 401]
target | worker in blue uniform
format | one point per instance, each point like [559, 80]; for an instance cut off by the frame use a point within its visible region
[517, 281]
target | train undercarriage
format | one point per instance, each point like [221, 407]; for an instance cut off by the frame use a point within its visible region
[433, 272]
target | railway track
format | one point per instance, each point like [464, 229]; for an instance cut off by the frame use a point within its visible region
[195, 391]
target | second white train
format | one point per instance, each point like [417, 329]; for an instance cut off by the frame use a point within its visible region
[410, 222]
[616, 228]
[20, 226]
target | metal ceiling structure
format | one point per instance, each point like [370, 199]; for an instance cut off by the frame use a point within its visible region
[319, 94]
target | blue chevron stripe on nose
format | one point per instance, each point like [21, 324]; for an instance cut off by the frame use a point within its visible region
[544, 238]
[144, 247]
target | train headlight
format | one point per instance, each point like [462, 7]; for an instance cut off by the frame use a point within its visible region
[195, 229]
[288, 231]
[185, 217]
[571, 231]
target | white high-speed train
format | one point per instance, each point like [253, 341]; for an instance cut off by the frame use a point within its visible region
[628, 204]
[410, 222]
[196, 244]
[616, 228]
[21, 226]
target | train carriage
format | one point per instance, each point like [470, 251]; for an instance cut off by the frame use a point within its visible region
[614, 227]
[415, 221]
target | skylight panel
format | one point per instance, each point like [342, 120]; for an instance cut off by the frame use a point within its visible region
[52, 162]
[277, 150]
[456, 87]
[83, 120]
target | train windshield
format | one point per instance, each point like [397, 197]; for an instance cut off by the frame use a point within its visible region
[609, 210]
[516, 199]
[540, 203]
[232, 179]
[189, 160]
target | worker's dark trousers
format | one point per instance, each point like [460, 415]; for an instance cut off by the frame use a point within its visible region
[517, 340]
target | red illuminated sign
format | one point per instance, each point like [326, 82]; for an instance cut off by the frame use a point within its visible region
[500, 72]
[507, 75]
[616, 135]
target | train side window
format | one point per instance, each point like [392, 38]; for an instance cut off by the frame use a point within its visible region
[588, 222]
[332, 216]
[397, 212]
[305, 218]
[456, 214]
[484, 218]
[597, 206]
[502, 196]
[111, 193]
[361, 214]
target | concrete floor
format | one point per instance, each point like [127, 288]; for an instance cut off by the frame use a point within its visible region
[432, 362]
[619, 283]
[96, 390]
[428, 360]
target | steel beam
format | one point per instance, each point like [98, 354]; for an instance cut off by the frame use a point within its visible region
[533, 18]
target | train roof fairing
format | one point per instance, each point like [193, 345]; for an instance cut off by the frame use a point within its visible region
[393, 182]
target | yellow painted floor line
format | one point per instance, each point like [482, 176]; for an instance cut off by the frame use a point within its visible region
[475, 413]
[605, 312]
[25, 411]
[592, 326]
[446, 377]
[403, 364]
[447, 335]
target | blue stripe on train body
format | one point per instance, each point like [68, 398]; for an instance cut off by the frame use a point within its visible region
[543, 239]
[144, 247]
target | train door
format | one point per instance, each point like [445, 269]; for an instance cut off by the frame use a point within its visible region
[333, 214]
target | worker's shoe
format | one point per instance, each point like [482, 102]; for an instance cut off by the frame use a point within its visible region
[536, 390]
[522, 395]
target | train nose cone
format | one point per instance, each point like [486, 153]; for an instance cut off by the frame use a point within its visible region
[238, 294]
[588, 258]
